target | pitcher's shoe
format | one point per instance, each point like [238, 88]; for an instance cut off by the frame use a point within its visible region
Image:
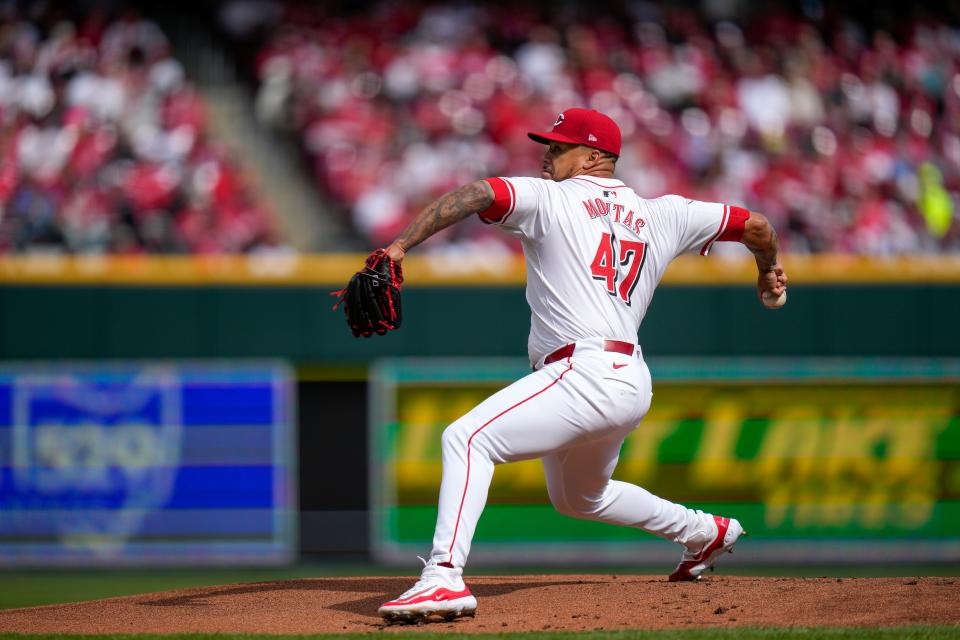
[440, 591]
[695, 561]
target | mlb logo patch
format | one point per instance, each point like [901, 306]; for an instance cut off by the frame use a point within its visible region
[609, 194]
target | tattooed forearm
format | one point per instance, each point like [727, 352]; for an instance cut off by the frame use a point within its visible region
[766, 254]
[766, 259]
[445, 211]
[761, 238]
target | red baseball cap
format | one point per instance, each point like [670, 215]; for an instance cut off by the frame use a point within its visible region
[583, 126]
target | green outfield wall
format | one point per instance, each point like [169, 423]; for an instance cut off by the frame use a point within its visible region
[297, 323]
[847, 309]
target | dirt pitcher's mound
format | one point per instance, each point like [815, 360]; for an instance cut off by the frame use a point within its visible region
[512, 603]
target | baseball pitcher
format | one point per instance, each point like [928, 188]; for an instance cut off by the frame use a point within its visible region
[594, 252]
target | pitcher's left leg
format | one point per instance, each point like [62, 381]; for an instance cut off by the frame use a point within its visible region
[579, 484]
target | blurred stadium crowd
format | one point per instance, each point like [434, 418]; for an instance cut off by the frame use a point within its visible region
[842, 128]
[103, 143]
[846, 135]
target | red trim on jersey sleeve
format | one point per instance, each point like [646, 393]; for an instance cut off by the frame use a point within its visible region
[723, 225]
[503, 201]
[735, 225]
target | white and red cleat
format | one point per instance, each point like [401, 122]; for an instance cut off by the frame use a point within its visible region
[440, 591]
[694, 563]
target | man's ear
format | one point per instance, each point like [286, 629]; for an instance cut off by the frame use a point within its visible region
[592, 159]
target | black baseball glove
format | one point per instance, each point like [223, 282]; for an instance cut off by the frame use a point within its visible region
[371, 299]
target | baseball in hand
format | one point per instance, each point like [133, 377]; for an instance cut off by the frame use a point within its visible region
[772, 301]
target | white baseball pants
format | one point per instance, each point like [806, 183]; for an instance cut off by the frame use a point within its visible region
[575, 414]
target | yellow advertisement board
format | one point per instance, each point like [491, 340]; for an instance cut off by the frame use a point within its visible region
[808, 451]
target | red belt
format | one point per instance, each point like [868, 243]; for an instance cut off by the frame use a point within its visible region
[618, 346]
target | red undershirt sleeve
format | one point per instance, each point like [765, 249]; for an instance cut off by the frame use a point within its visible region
[735, 225]
[503, 201]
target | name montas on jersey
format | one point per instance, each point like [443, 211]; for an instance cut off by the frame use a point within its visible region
[598, 208]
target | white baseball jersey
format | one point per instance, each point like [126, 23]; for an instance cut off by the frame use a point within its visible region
[595, 251]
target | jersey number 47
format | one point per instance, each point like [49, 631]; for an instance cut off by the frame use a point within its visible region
[630, 259]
